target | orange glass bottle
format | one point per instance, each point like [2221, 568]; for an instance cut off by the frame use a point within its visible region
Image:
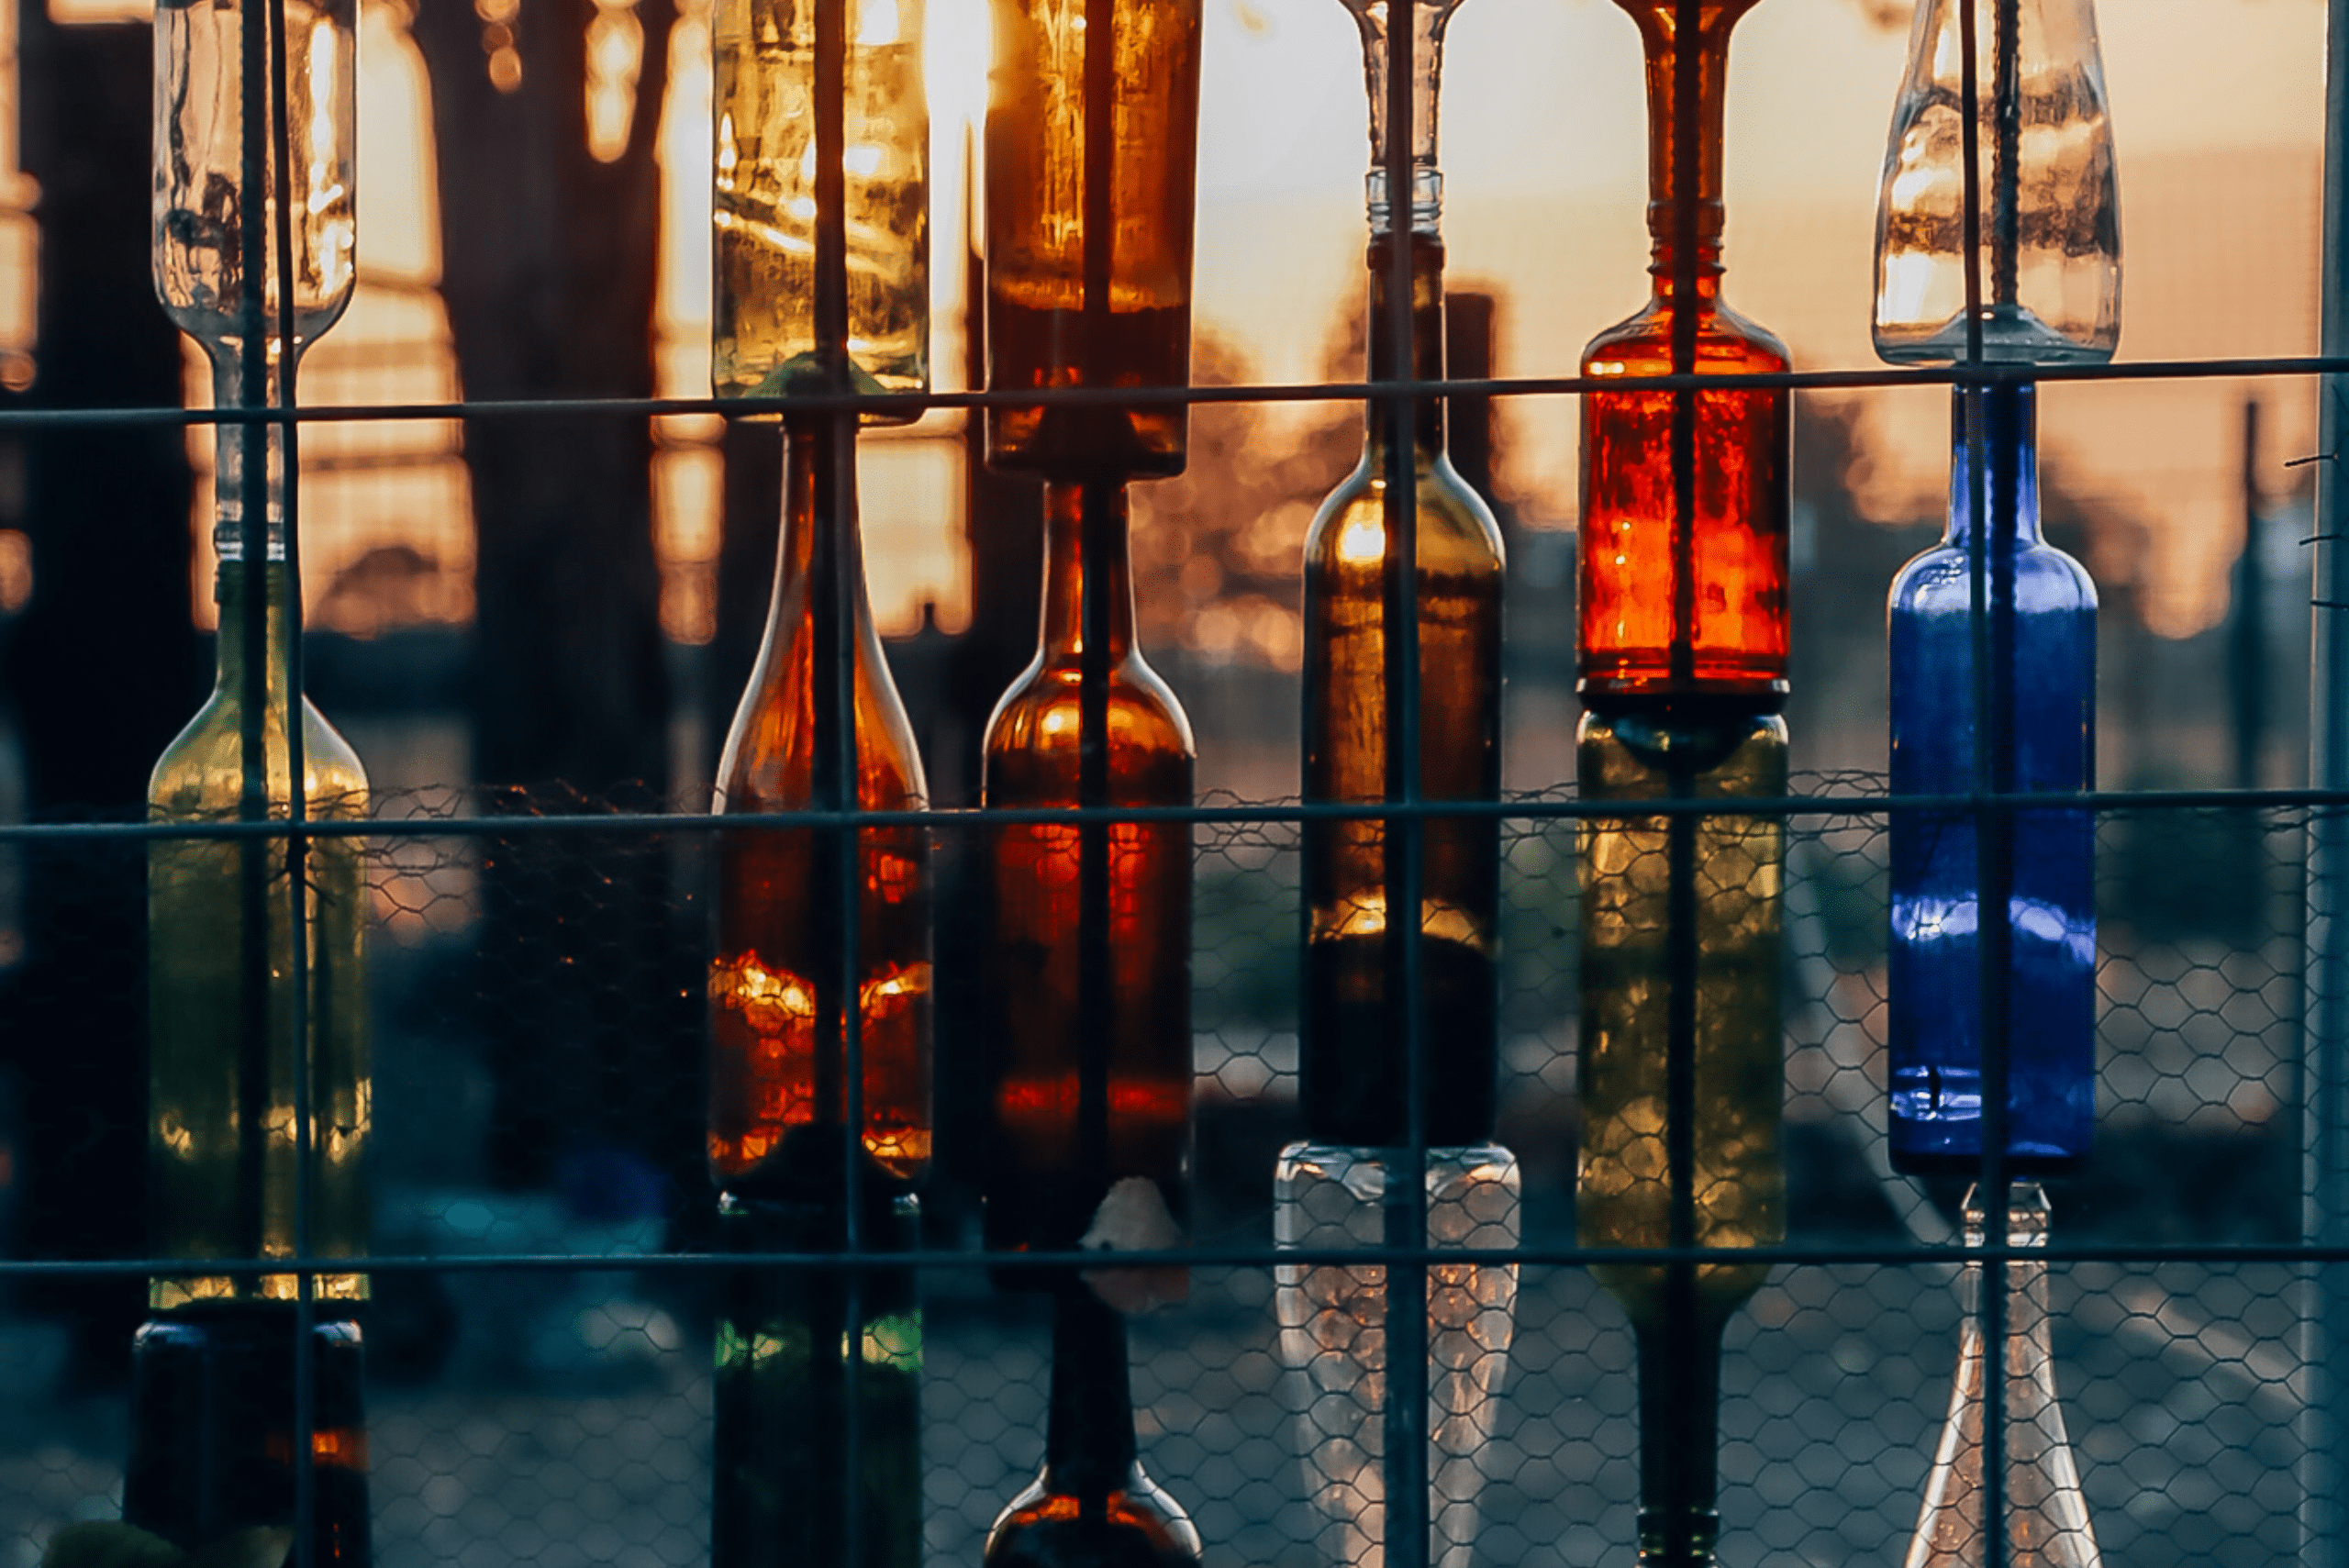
[1685, 493]
[778, 1091]
[1092, 920]
[1089, 237]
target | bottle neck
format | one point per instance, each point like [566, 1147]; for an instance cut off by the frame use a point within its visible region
[2009, 466]
[2026, 1275]
[233, 589]
[820, 531]
[1688, 80]
[1085, 531]
[1427, 337]
[248, 459]
[1089, 1447]
[1680, 1374]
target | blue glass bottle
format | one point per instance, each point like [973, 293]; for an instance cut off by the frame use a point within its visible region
[2039, 630]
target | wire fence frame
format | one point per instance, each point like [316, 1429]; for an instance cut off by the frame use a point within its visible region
[264, 85]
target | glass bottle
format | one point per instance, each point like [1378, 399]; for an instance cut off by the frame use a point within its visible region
[2039, 631]
[1092, 921]
[1685, 494]
[1093, 1504]
[1353, 1040]
[221, 925]
[764, 211]
[1330, 1190]
[778, 1093]
[1682, 1067]
[1090, 239]
[219, 1383]
[795, 1347]
[2046, 1516]
[214, 1416]
[2048, 202]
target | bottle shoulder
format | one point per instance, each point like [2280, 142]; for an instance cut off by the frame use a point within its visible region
[1457, 531]
[1031, 745]
[1138, 1528]
[200, 773]
[1726, 343]
[768, 762]
[1940, 582]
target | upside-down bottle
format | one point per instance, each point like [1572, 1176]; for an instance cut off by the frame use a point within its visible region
[232, 1136]
[2048, 206]
[819, 1106]
[1332, 1188]
[1682, 1068]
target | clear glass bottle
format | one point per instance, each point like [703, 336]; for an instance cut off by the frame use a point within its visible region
[1333, 1337]
[1685, 494]
[1093, 1071]
[1090, 239]
[1682, 1062]
[1093, 1506]
[777, 1017]
[2049, 232]
[2046, 1523]
[2040, 614]
[763, 208]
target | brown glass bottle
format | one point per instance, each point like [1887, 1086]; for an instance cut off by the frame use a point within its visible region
[1685, 494]
[1354, 1040]
[1090, 239]
[1093, 1506]
[1092, 921]
[777, 1041]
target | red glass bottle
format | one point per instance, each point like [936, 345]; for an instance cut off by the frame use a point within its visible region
[1093, 1069]
[1684, 495]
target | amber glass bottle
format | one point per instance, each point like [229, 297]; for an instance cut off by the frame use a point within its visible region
[1092, 921]
[1089, 236]
[1353, 1041]
[776, 1008]
[1093, 1506]
[1681, 1063]
[1685, 494]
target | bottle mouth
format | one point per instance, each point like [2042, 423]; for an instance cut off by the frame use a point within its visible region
[1427, 201]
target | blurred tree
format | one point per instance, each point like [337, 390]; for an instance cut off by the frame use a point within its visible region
[102, 667]
[549, 278]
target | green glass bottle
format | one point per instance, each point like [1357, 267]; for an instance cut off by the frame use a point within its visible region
[1682, 1067]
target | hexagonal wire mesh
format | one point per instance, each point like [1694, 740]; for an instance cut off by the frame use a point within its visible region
[563, 1414]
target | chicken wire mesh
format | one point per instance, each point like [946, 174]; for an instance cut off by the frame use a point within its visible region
[536, 1039]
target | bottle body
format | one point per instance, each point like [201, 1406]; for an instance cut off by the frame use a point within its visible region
[1682, 935]
[1333, 1336]
[217, 1382]
[2046, 1523]
[777, 1016]
[783, 1385]
[2040, 614]
[763, 201]
[205, 216]
[1092, 922]
[1093, 1504]
[1090, 238]
[2050, 207]
[1353, 1041]
[223, 1128]
[1674, 606]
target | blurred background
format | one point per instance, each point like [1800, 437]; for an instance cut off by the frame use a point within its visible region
[557, 612]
